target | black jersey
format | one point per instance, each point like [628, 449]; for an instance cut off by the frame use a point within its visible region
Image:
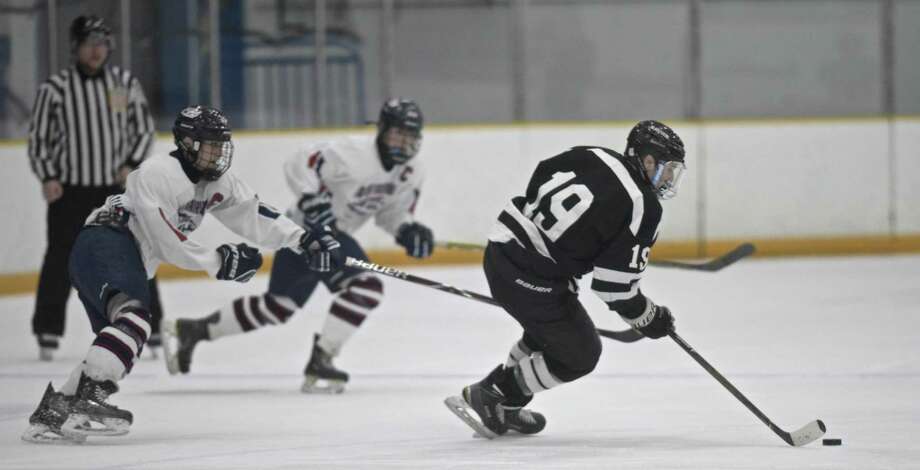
[585, 210]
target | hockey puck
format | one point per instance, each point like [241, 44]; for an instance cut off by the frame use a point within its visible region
[832, 442]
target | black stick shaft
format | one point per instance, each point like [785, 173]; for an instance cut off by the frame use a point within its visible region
[626, 336]
[728, 385]
[716, 264]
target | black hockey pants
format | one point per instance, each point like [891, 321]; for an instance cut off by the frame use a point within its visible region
[553, 319]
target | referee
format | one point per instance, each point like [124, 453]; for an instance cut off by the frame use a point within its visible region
[90, 127]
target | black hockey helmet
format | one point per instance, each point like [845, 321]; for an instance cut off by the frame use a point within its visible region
[85, 27]
[399, 146]
[665, 146]
[203, 137]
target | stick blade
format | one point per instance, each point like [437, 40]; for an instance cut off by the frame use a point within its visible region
[740, 252]
[808, 433]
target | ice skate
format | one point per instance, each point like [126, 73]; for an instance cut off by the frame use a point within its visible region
[45, 423]
[180, 338]
[92, 415]
[480, 407]
[320, 375]
[523, 420]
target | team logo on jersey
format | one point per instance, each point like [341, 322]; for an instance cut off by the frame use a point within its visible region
[191, 213]
[370, 198]
[118, 99]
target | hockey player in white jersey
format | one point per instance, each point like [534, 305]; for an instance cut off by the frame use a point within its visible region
[124, 242]
[342, 183]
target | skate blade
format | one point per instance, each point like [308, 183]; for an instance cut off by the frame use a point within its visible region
[41, 434]
[81, 425]
[322, 386]
[458, 406]
[169, 337]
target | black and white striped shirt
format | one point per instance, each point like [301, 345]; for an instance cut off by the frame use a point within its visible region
[84, 129]
[585, 210]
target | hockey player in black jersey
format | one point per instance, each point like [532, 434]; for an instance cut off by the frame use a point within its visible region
[586, 209]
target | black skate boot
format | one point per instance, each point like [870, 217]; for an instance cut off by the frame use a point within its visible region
[89, 408]
[480, 406]
[320, 375]
[183, 335]
[45, 423]
[523, 420]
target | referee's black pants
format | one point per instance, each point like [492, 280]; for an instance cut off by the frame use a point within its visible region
[65, 218]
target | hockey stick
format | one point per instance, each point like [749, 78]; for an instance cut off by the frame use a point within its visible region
[799, 437]
[625, 336]
[460, 246]
[716, 264]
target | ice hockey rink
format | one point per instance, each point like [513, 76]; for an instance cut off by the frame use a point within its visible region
[829, 338]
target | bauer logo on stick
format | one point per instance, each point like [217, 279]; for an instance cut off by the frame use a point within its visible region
[356, 263]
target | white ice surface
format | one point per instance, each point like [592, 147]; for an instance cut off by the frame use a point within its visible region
[834, 339]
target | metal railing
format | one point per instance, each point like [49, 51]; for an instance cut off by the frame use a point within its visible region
[279, 87]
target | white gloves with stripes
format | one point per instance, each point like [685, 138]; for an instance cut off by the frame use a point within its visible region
[416, 238]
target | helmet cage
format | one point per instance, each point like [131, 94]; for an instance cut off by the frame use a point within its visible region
[401, 143]
[203, 137]
[212, 158]
[399, 130]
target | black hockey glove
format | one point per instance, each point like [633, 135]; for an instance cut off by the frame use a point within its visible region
[238, 262]
[656, 321]
[317, 209]
[416, 238]
[322, 251]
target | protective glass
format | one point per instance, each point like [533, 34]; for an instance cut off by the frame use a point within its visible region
[666, 179]
[214, 158]
[402, 144]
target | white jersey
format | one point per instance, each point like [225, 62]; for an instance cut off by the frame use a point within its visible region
[350, 171]
[166, 206]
